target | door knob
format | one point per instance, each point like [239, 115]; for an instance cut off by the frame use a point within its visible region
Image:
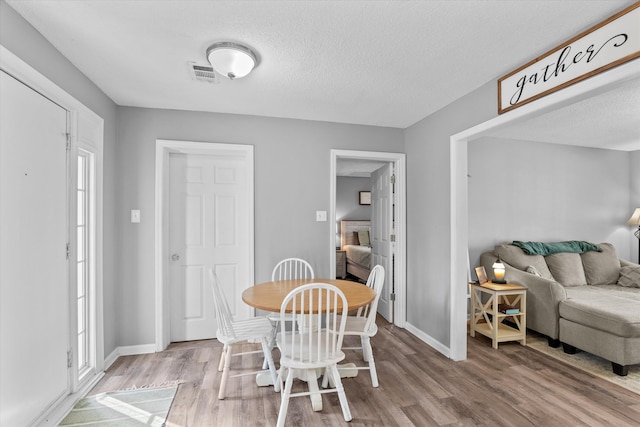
[175, 257]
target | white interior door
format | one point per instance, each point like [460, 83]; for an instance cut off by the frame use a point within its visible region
[381, 232]
[209, 227]
[34, 283]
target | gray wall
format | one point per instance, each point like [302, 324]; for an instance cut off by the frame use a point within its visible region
[347, 201]
[546, 192]
[634, 201]
[24, 41]
[428, 217]
[292, 176]
[428, 208]
[292, 182]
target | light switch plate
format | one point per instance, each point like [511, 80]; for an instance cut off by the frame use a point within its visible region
[321, 215]
[135, 216]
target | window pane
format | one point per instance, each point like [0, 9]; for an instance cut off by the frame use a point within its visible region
[81, 172]
[81, 350]
[81, 279]
[81, 253]
[81, 208]
[81, 315]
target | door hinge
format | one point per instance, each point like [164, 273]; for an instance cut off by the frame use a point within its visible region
[68, 249]
[393, 179]
[68, 147]
[392, 297]
[392, 238]
[69, 359]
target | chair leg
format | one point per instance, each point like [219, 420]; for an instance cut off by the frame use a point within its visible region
[366, 346]
[284, 403]
[268, 357]
[346, 412]
[366, 355]
[282, 376]
[222, 357]
[225, 372]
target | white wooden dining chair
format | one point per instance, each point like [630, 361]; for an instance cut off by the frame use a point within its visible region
[231, 332]
[316, 347]
[363, 324]
[292, 268]
[287, 269]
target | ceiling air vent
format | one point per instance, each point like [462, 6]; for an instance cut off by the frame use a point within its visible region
[203, 73]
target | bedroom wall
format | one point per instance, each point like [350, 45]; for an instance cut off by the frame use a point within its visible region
[347, 202]
[546, 192]
[292, 175]
[28, 44]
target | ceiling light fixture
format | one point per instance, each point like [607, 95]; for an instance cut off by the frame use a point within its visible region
[232, 60]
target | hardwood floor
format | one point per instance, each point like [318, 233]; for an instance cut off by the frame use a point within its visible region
[512, 386]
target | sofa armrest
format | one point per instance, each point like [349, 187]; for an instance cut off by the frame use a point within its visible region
[543, 297]
[625, 263]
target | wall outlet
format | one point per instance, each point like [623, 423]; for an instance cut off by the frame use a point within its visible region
[321, 215]
[135, 216]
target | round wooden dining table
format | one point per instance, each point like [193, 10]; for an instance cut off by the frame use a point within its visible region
[268, 296]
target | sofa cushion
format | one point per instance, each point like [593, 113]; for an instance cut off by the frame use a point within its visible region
[515, 257]
[566, 268]
[618, 316]
[630, 276]
[601, 268]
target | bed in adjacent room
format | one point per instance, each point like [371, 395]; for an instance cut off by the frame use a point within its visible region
[355, 240]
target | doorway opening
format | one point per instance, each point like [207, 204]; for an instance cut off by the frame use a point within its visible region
[459, 223]
[368, 192]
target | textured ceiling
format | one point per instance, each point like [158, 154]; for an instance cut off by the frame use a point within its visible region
[385, 63]
[357, 167]
[609, 120]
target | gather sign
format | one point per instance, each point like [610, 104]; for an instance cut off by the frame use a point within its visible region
[602, 47]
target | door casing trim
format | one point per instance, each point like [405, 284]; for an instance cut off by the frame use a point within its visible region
[399, 160]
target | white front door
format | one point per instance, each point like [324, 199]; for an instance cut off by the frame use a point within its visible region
[34, 279]
[210, 198]
[382, 219]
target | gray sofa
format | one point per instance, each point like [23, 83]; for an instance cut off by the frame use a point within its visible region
[588, 301]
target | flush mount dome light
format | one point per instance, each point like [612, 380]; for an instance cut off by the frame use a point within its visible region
[232, 60]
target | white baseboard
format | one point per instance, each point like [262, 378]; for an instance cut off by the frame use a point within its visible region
[56, 413]
[128, 350]
[108, 361]
[428, 339]
[137, 349]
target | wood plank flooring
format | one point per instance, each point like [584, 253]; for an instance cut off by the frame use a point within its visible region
[512, 386]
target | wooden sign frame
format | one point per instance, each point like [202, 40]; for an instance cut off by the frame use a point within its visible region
[608, 44]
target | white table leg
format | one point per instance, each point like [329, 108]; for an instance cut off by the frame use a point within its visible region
[316, 397]
[263, 379]
[346, 370]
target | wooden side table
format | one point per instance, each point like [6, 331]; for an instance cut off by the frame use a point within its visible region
[487, 319]
[341, 264]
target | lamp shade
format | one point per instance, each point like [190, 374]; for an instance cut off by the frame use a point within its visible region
[499, 271]
[635, 218]
[232, 60]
